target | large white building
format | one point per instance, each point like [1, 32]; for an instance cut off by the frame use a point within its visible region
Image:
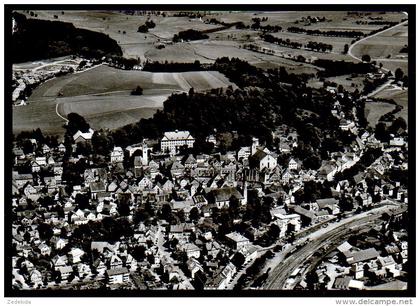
[172, 141]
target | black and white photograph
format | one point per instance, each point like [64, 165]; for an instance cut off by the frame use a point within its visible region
[209, 150]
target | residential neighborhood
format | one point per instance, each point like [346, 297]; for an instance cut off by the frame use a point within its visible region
[151, 216]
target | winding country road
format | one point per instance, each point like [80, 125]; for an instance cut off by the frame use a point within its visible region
[382, 87]
[370, 36]
[333, 233]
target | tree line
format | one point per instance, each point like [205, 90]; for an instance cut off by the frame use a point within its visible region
[149, 24]
[351, 34]
[188, 14]
[336, 68]
[157, 66]
[188, 35]
[39, 39]
[378, 22]
[313, 45]
[281, 42]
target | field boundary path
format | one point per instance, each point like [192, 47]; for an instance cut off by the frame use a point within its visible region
[370, 36]
[58, 114]
[379, 89]
[382, 87]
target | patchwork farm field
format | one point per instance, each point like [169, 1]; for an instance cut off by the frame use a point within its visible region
[123, 28]
[102, 96]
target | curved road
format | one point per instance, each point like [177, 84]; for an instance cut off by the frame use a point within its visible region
[370, 36]
[382, 87]
[279, 275]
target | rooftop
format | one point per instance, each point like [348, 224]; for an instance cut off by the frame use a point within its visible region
[362, 255]
[236, 237]
[87, 136]
[117, 271]
[224, 194]
[177, 135]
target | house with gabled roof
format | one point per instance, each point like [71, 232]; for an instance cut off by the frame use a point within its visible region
[327, 170]
[191, 250]
[261, 159]
[117, 155]
[75, 255]
[168, 186]
[237, 240]
[329, 204]
[35, 167]
[194, 266]
[61, 148]
[362, 255]
[115, 262]
[222, 278]
[29, 190]
[45, 149]
[145, 183]
[177, 169]
[190, 162]
[22, 179]
[83, 136]
[44, 249]
[59, 261]
[221, 197]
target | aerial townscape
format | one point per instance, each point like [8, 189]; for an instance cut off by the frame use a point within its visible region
[209, 150]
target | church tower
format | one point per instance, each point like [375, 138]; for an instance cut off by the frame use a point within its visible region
[255, 144]
[145, 157]
[245, 200]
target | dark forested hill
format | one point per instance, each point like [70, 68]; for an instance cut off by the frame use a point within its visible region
[40, 39]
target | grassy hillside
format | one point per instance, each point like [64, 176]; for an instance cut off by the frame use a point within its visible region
[102, 96]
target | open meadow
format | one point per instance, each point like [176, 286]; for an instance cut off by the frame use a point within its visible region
[102, 96]
[375, 110]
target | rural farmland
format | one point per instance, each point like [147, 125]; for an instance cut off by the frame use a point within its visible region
[386, 48]
[103, 95]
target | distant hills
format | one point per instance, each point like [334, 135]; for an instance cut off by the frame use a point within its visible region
[41, 39]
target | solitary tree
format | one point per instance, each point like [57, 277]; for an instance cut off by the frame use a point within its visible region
[137, 92]
[194, 214]
[76, 123]
[366, 58]
[398, 74]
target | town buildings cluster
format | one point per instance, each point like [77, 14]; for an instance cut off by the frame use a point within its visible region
[177, 252]
[156, 215]
[377, 267]
[26, 78]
